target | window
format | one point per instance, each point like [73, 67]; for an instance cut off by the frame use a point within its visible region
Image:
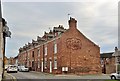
[32, 53]
[59, 33]
[38, 63]
[27, 63]
[45, 65]
[118, 60]
[28, 55]
[38, 52]
[55, 34]
[55, 48]
[45, 49]
[102, 61]
[55, 63]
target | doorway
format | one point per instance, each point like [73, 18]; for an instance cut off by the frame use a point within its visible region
[50, 66]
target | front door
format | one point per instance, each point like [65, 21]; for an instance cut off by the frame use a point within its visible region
[42, 67]
[50, 66]
[33, 66]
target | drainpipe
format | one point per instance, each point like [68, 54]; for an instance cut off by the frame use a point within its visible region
[116, 55]
[43, 57]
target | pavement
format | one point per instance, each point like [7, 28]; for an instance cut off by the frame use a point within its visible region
[1, 70]
[32, 75]
[9, 77]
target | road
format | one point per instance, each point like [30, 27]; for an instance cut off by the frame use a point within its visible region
[38, 75]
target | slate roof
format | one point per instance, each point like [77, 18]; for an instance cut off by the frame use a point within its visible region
[106, 55]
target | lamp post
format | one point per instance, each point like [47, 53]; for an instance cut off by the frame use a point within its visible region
[6, 33]
[116, 58]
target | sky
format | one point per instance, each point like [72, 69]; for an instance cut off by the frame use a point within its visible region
[96, 19]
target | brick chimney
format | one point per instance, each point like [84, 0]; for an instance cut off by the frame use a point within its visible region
[72, 23]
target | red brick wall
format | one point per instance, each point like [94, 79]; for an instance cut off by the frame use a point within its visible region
[110, 66]
[87, 56]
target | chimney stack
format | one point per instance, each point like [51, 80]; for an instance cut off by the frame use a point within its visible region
[72, 23]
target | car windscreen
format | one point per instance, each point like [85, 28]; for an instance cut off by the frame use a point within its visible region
[13, 66]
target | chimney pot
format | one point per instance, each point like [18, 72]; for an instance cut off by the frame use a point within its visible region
[116, 49]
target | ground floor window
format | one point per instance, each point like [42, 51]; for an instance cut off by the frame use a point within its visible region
[38, 63]
[45, 65]
[55, 64]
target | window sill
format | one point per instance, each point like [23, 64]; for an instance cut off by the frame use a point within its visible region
[55, 68]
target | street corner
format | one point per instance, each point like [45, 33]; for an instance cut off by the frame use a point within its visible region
[9, 77]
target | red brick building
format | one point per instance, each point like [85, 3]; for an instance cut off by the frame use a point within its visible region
[11, 61]
[62, 51]
[109, 61]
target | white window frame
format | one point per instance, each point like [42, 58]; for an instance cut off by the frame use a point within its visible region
[55, 34]
[45, 65]
[55, 48]
[45, 50]
[38, 52]
[38, 63]
[28, 55]
[55, 63]
[59, 33]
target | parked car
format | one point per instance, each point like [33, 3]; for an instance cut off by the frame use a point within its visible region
[23, 68]
[12, 68]
[115, 75]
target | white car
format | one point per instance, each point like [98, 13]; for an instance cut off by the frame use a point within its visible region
[23, 68]
[115, 75]
[12, 68]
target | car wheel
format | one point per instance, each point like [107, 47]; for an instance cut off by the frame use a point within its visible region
[113, 77]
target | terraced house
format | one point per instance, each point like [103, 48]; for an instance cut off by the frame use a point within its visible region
[62, 51]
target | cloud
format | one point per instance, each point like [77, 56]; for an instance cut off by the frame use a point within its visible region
[97, 21]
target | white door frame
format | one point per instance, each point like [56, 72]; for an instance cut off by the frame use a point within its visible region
[50, 66]
[42, 66]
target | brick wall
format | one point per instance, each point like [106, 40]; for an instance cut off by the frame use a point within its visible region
[82, 55]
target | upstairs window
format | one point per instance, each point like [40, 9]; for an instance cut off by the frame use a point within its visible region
[55, 34]
[59, 33]
[55, 48]
[28, 55]
[45, 50]
[38, 52]
[32, 53]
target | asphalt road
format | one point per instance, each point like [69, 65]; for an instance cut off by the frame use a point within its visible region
[32, 76]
